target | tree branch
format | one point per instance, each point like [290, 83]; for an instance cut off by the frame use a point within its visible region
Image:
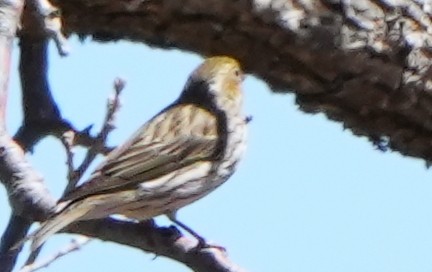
[363, 63]
[16, 229]
[74, 245]
[108, 125]
[168, 242]
[49, 17]
[42, 116]
[16, 174]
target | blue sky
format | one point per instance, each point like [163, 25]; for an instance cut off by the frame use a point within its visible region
[308, 195]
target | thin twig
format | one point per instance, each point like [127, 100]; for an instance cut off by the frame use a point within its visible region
[36, 129]
[74, 175]
[108, 125]
[68, 142]
[33, 256]
[51, 17]
[74, 245]
[113, 106]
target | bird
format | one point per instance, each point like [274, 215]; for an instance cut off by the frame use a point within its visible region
[179, 156]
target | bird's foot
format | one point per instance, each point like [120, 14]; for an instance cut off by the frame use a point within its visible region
[203, 244]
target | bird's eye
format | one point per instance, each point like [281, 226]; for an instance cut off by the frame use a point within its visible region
[239, 74]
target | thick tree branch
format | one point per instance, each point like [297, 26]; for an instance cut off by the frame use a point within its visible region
[27, 193]
[49, 17]
[23, 184]
[42, 116]
[162, 241]
[16, 229]
[364, 63]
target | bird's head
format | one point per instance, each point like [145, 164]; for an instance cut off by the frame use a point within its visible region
[218, 79]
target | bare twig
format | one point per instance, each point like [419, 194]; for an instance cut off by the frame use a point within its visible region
[74, 175]
[112, 108]
[36, 129]
[50, 16]
[68, 139]
[74, 245]
[98, 146]
[33, 256]
[68, 142]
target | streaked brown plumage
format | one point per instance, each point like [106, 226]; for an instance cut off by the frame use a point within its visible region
[179, 156]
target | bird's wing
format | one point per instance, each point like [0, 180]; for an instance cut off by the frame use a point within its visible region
[171, 140]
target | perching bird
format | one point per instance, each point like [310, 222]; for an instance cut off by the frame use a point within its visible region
[179, 156]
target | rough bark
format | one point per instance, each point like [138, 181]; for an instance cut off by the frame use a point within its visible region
[364, 63]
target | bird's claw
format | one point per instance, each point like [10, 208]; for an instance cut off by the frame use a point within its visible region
[203, 244]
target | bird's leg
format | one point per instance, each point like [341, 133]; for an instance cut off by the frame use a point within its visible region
[201, 241]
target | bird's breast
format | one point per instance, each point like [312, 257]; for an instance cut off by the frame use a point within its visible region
[235, 146]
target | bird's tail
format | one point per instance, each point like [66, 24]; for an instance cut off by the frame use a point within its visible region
[57, 222]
